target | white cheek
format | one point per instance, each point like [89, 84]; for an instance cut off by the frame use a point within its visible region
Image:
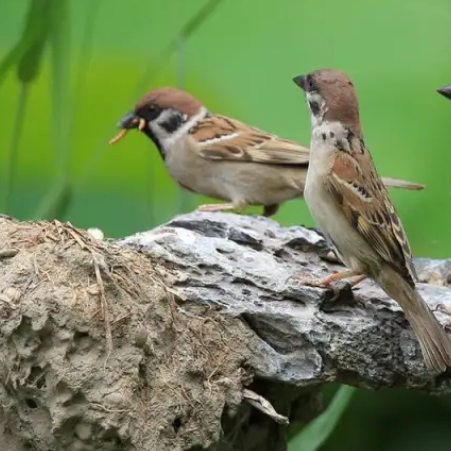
[156, 128]
[158, 131]
[169, 139]
[317, 118]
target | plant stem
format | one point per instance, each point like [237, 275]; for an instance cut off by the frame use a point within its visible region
[188, 28]
[11, 165]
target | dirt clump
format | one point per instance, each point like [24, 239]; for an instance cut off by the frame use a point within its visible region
[96, 353]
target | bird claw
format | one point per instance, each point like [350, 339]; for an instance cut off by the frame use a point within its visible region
[313, 282]
[209, 207]
[336, 287]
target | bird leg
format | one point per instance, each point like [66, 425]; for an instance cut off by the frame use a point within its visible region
[355, 280]
[222, 207]
[325, 282]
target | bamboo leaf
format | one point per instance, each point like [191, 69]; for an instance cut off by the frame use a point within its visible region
[35, 31]
[28, 53]
[315, 434]
[29, 63]
[11, 163]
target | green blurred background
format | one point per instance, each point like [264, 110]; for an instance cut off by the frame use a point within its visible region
[99, 56]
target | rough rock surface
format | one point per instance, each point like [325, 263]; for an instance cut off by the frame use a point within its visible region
[146, 343]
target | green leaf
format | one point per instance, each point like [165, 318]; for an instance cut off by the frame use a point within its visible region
[34, 30]
[28, 55]
[315, 434]
[29, 62]
[11, 162]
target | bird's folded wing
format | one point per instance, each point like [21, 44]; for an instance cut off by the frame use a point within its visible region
[222, 138]
[367, 207]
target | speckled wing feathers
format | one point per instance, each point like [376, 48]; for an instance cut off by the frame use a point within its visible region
[364, 199]
[222, 138]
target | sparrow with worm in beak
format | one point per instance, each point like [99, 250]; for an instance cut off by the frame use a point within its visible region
[220, 157]
[350, 205]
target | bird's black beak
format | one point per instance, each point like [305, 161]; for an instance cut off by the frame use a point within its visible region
[445, 91]
[300, 81]
[130, 121]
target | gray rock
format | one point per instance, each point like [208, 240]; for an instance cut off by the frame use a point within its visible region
[249, 267]
[165, 340]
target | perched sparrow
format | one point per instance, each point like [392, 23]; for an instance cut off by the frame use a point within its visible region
[445, 91]
[220, 157]
[350, 204]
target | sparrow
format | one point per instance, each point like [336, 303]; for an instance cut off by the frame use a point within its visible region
[221, 157]
[350, 205]
[445, 91]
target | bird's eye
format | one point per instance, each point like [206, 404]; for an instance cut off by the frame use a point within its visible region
[151, 111]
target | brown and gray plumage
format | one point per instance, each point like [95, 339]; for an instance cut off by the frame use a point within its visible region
[350, 204]
[221, 157]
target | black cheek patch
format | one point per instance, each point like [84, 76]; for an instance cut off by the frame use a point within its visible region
[173, 124]
[314, 107]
